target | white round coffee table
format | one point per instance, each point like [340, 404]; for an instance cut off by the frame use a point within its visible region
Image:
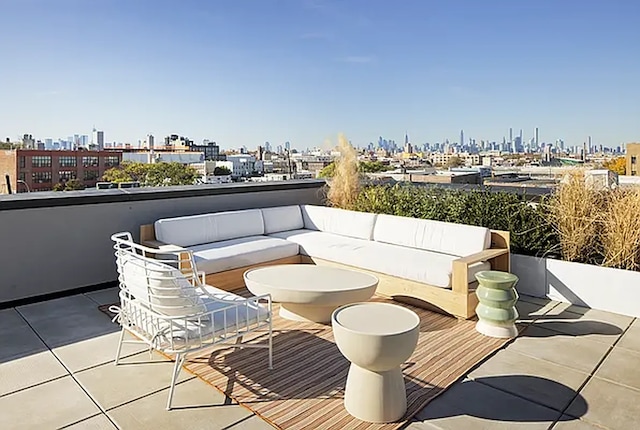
[376, 338]
[307, 292]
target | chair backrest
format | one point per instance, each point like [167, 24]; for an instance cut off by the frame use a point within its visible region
[165, 283]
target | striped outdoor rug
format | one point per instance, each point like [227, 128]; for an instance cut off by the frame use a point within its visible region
[306, 387]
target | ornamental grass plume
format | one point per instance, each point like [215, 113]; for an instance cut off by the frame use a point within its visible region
[621, 229]
[576, 210]
[345, 185]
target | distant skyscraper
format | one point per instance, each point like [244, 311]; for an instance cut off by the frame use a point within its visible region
[150, 141]
[98, 139]
[461, 137]
[406, 138]
[510, 135]
[287, 146]
[408, 148]
[535, 137]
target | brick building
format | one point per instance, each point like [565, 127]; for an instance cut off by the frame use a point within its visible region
[41, 170]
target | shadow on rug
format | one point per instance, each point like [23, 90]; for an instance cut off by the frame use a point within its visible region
[306, 387]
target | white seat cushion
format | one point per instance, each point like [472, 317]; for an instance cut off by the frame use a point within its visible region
[230, 254]
[338, 221]
[282, 218]
[193, 331]
[449, 238]
[207, 228]
[409, 263]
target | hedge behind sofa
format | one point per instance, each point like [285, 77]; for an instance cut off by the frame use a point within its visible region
[421, 259]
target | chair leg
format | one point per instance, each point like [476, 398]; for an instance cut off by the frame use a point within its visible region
[270, 346]
[119, 346]
[270, 354]
[176, 371]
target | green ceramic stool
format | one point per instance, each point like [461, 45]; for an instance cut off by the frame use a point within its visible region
[496, 311]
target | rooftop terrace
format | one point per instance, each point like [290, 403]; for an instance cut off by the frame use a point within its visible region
[570, 368]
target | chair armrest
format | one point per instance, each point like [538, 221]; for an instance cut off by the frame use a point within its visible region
[460, 267]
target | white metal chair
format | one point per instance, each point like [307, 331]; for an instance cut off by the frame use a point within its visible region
[165, 303]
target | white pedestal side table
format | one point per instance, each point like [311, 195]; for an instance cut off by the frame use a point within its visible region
[376, 338]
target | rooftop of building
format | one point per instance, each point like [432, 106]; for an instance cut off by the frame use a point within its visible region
[571, 367]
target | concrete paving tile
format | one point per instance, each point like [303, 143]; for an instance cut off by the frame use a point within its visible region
[538, 300]
[197, 406]
[621, 321]
[531, 311]
[589, 323]
[621, 366]
[110, 385]
[574, 424]
[99, 422]
[592, 330]
[67, 320]
[575, 353]
[105, 297]
[631, 339]
[28, 371]
[471, 406]
[537, 380]
[95, 351]
[610, 405]
[51, 405]
[16, 337]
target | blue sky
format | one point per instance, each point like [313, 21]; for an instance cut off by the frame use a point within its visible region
[242, 72]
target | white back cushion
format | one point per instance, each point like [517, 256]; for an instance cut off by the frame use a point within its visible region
[448, 238]
[339, 221]
[207, 228]
[282, 218]
[160, 286]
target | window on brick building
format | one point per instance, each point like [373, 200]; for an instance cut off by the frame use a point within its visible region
[111, 161]
[67, 175]
[41, 161]
[90, 161]
[91, 175]
[41, 177]
[68, 161]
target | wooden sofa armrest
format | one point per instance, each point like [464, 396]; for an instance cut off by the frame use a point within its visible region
[148, 238]
[498, 258]
[161, 246]
[485, 255]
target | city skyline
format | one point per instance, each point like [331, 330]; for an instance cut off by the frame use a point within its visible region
[243, 73]
[76, 139]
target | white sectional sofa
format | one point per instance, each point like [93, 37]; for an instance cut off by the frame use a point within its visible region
[415, 259]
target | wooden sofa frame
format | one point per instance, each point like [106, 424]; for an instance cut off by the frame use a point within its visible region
[460, 300]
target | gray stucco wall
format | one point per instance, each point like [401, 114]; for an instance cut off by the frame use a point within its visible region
[52, 249]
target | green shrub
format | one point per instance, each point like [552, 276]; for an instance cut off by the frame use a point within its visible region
[531, 232]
